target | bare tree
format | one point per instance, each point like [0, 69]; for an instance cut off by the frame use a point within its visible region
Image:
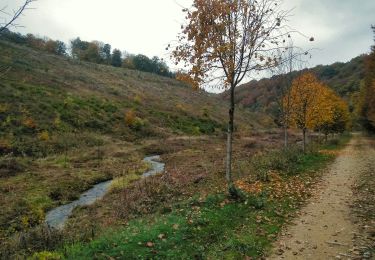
[292, 59]
[9, 19]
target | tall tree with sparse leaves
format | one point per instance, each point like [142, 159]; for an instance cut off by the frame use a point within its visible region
[224, 41]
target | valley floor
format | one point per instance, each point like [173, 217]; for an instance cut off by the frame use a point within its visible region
[186, 212]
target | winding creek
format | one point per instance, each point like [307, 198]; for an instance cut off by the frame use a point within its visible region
[57, 217]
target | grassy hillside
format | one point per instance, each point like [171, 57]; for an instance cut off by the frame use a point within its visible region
[262, 95]
[66, 125]
[44, 96]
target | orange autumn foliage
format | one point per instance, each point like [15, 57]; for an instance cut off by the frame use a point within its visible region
[315, 106]
[130, 118]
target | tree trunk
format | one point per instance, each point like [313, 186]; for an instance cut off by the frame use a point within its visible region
[230, 139]
[304, 140]
[285, 137]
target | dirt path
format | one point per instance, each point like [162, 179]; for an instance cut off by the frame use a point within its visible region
[324, 229]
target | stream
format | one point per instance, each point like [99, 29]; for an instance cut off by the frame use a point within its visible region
[57, 217]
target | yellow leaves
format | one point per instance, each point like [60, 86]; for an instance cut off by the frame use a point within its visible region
[130, 118]
[44, 136]
[57, 121]
[220, 38]
[184, 77]
[312, 105]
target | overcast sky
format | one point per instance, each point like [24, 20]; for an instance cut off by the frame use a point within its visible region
[341, 28]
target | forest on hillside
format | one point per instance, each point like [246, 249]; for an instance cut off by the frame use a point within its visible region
[94, 51]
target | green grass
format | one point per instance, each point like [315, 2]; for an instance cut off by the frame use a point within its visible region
[194, 230]
[187, 124]
[215, 228]
[337, 142]
[291, 161]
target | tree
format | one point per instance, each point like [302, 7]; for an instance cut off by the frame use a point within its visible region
[35, 42]
[50, 46]
[11, 21]
[55, 47]
[224, 41]
[116, 58]
[335, 111]
[291, 60]
[128, 61]
[143, 63]
[310, 104]
[78, 47]
[92, 53]
[368, 110]
[106, 53]
[60, 48]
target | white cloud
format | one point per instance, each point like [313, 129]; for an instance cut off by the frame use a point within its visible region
[341, 27]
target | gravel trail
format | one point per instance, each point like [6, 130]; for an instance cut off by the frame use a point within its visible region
[325, 228]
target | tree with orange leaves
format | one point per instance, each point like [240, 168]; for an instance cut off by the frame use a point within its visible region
[336, 113]
[315, 106]
[224, 41]
[306, 108]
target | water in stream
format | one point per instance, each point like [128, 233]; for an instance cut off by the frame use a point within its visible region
[57, 217]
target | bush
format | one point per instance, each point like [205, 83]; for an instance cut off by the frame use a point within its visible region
[5, 146]
[130, 118]
[283, 161]
[37, 239]
[10, 166]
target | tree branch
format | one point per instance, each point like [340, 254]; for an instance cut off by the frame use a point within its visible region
[15, 16]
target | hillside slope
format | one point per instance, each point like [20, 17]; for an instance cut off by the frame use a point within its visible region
[343, 78]
[44, 95]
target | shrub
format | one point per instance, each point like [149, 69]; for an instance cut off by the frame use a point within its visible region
[284, 161]
[130, 118]
[138, 100]
[138, 123]
[10, 166]
[44, 135]
[29, 123]
[40, 238]
[5, 146]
